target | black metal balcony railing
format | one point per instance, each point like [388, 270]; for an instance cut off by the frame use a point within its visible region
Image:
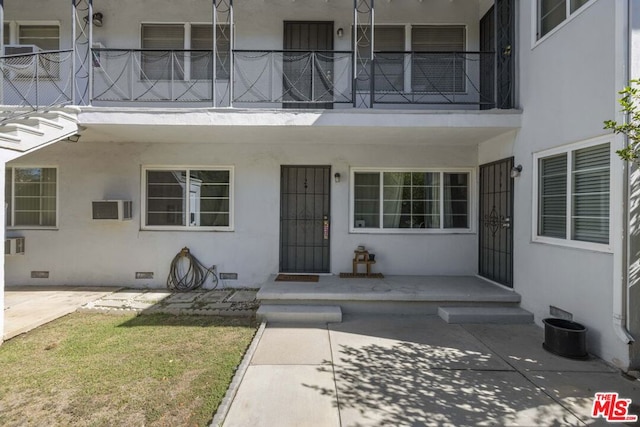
[154, 75]
[262, 78]
[35, 80]
[458, 78]
[292, 77]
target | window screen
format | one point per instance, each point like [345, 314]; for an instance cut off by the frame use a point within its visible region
[167, 62]
[438, 62]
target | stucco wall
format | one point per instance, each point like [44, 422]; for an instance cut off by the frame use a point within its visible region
[568, 88]
[258, 22]
[83, 251]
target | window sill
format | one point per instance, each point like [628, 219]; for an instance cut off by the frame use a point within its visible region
[32, 227]
[574, 244]
[188, 229]
[414, 231]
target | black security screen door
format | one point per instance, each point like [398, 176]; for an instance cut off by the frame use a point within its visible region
[304, 219]
[307, 79]
[496, 224]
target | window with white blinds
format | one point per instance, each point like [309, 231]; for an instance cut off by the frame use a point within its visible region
[438, 65]
[202, 39]
[31, 197]
[389, 71]
[170, 59]
[167, 62]
[552, 13]
[574, 194]
[46, 37]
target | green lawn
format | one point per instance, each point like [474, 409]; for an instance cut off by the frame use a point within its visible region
[107, 370]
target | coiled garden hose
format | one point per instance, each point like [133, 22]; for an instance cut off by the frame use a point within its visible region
[188, 273]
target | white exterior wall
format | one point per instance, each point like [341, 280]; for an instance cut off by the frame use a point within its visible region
[568, 87]
[83, 251]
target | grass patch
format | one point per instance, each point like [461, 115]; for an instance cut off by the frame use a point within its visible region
[104, 370]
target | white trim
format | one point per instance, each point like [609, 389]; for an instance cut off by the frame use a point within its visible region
[568, 149]
[535, 20]
[471, 202]
[13, 202]
[143, 198]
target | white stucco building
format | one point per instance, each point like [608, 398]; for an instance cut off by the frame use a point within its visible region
[454, 137]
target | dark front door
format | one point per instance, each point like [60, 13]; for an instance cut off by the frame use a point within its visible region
[496, 222]
[505, 36]
[487, 61]
[307, 80]
[304, 219]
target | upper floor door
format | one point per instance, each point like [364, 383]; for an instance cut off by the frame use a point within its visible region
[308, 64]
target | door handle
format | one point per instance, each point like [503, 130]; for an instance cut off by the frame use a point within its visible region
[506, 222]
[325, 227]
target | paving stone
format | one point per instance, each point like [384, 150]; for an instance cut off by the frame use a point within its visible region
[215, 306]
[109, 304]
[214, 296]
[124, 295]
[243, 296]
[178, 305]
[152, 296]
[183, 297]
[139, 305]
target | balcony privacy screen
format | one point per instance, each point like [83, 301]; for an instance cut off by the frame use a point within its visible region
[162, 65]
[442, 72]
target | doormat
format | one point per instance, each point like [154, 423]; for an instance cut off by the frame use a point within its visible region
[361, 276]
[297, 278]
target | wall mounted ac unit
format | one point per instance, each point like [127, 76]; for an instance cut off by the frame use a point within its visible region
[20, 49]
[14, 246]
[118, 210]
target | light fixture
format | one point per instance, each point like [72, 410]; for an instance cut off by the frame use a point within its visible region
[96, 19]
[515, 171]
[336, 177]
[340, 33]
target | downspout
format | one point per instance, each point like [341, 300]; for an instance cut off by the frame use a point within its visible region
[621, 283]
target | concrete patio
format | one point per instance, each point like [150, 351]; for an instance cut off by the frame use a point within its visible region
[416, 370]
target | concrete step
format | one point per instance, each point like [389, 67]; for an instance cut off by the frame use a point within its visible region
[506, 315]
[299, 313]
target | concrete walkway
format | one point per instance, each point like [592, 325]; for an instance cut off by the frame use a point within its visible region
[27, 307]
[415, 371]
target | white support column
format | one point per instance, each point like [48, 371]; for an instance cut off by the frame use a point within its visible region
[82, 34]
[222, 26]
[363, 48]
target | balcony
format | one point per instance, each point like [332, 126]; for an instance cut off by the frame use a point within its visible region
[254, 79]
[294, 78]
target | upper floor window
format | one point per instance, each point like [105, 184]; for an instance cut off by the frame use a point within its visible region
[171, 62]
[46, 37]
[188, 198]
[552, 13]
[573, 197]
[432, 66]
[31, 197]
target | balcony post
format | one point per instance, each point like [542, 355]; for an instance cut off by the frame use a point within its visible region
[74, 8]
[2, 53]
[363, 47]
[222, 19]
[214, 51]
[90, 53]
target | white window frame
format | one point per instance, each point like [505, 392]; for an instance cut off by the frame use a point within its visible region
[13, 199]
[536, 22]
[568, 150]
[408, 45]
[186, 26]
[187, 227]
[471, 201]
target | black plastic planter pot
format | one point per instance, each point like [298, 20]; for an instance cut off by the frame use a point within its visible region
[565, 338]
